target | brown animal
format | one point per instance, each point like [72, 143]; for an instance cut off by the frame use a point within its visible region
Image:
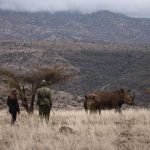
[108, 100]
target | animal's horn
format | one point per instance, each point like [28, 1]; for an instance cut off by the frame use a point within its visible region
[122, 90]
[85, 96]
[129, 90]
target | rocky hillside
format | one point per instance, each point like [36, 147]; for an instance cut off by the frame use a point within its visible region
[69, 26]
[100, 66]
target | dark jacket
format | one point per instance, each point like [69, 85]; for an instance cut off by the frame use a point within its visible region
[13, 104]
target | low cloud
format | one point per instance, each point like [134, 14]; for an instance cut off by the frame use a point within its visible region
[136, 8]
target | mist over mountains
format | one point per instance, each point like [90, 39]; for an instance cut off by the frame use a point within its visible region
[102, 26]
[136, 8]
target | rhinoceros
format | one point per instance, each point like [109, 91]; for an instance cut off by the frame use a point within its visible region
[108, 100]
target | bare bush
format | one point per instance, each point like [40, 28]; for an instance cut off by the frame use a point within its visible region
[33, 80]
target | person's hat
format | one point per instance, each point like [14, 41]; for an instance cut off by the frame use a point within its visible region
[43, 83]
[14, 91]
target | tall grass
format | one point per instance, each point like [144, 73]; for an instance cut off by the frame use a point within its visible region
[75, 130]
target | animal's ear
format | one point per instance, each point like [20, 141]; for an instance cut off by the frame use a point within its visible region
[122, 90]
[93, 96]
[85, 96]
[129, 90]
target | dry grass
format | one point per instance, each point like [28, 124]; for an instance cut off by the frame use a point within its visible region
[110, 131]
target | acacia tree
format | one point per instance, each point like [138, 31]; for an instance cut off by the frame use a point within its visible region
[28, 83]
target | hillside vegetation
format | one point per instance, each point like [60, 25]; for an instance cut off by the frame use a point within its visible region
[102, 66]
[68, 26]
[75, 130]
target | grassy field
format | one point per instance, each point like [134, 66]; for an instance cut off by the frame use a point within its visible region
[74, 130]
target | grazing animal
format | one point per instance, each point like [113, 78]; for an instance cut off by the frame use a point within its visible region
[108, 100]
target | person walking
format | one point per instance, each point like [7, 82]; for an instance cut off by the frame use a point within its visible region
[44, 101]
[12, 102]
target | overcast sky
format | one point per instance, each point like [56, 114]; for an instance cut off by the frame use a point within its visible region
[136, 8]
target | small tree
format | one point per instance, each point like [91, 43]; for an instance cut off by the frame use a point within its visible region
[32, 80]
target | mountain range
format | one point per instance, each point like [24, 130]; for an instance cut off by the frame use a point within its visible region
[102, 26]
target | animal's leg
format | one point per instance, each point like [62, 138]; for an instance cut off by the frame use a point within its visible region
[99, 111]
[118, 109]
[85, 108]
[91, 111]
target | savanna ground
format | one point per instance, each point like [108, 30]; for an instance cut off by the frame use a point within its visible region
[74, 130]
